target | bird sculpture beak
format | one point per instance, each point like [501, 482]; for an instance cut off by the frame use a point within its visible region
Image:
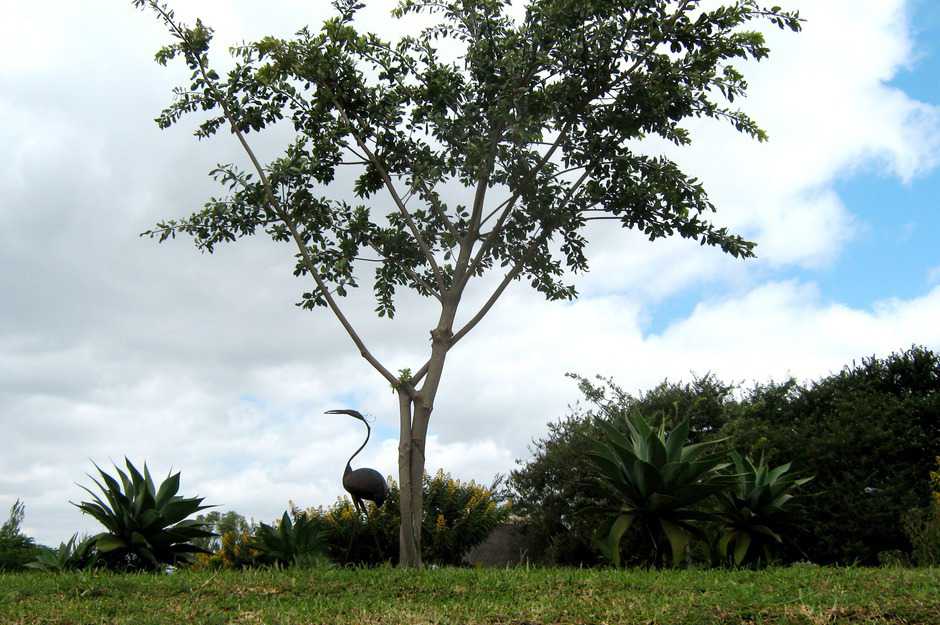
[352, 413]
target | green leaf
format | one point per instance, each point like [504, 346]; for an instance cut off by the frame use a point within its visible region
[621, 524]
[676, 439]
[741, 547]
[107, 543]
[678, 540]
[168, 489]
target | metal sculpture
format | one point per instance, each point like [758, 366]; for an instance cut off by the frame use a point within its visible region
[363, 483]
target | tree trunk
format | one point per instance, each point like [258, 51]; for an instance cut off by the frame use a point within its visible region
[415, 414]
[409, 535]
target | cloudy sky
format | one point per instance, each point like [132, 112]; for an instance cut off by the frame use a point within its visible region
[111, 345]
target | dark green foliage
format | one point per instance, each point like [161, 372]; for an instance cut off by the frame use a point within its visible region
[74, 555]
[706, 403]
[869, 434]
[659, 482]
[457, 517]
[16, 549]
[146, 526]
[556, 491]
[751, 511]
[922, 526]
[297, 542]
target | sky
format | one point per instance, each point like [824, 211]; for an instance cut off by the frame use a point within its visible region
[113, 346]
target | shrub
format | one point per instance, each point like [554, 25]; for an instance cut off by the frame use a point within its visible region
[922, 526]
[297, 542]
[869, 434]
[555, 491]
[352, 538]
[659, 482]
[74, 555]
[751, 511]
[16, 549]
[145, 525]
[234, 551]
[457, 517]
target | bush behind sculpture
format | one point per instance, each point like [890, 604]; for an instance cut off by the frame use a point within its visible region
[457, 517]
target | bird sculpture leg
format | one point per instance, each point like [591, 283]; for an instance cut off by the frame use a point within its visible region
[355, 529]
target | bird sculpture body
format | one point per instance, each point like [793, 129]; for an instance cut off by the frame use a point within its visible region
[363, 483]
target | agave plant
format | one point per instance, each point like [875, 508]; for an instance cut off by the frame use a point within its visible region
[146, 526]
[74, 555]
[660, 482]
[290, 542]
[750, 512]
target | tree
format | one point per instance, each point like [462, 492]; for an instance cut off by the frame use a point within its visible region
[220, 523]
[16, 549]
[545, 110]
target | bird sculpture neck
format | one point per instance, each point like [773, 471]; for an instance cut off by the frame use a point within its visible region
[361, 447]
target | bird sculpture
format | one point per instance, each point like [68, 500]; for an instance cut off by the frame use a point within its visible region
[363, 483]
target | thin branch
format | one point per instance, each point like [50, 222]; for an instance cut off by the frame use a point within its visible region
[494, 211]
[425, 249]
[463, 266]
[517, 268]
[509, 277]
[275, 207]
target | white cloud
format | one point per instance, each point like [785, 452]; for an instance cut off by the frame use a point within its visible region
[110, 345]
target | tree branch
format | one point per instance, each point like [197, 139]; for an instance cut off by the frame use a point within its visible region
[275, 207]
[425, 249]
[517, 268]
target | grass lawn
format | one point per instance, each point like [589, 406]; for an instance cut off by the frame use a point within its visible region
[802, 594]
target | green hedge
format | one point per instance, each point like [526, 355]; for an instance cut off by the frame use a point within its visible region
[869, 433]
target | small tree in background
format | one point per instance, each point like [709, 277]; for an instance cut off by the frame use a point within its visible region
[220, 524]
[533, 129]
[16, 549]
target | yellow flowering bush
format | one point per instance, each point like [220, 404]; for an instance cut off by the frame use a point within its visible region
[234, 552]
[457, 517]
